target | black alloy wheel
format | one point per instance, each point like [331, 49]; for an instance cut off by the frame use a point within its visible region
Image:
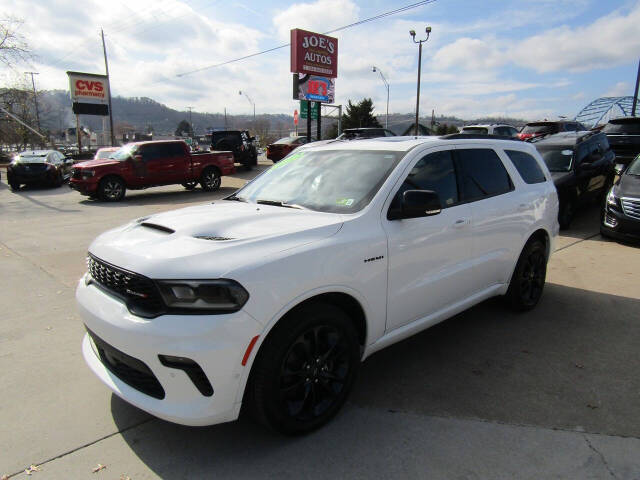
[190, 185]
[210, 180]
[305, 369]
[527, 283]
[314, 373]
[111, 189]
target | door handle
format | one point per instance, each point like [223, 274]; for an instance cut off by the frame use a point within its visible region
[461, 222]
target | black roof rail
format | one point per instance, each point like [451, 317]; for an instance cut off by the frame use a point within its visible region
[465, 136]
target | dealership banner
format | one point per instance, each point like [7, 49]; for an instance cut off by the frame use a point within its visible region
[314, 54]
[89, 93]
[314, 88]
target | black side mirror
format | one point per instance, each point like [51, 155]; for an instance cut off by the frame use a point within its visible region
[416, 204]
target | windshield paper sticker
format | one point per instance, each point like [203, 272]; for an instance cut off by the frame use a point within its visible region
[345, 202]
[287, 160]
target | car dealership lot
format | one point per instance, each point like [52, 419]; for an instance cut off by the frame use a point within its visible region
[487, 394]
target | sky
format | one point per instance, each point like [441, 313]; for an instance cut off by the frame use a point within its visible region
[529, 59]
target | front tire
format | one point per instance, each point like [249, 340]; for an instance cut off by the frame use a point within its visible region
[14, 186]
[527, 282]
[210, 180]
[304, 371]
[111, 189]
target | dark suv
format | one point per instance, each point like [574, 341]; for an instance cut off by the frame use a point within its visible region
[624, 137]
[539, 129]
[582, 167]
[240, 143]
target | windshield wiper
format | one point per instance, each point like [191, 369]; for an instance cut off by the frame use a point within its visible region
[277, 203]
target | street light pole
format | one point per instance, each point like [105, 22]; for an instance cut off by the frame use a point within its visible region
[386, 84]
[635, 93]
[254, 109]
[419, 42]
[35, 97]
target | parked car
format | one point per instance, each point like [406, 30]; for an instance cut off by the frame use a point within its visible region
[48, 167]
[283, 147]
[149, 164]
[624, 137]
[621, 211]
[369, 132]
[272, 297]
[492, 129]
[538, 129]
[240, 143]
[105, 152]
[582, 167]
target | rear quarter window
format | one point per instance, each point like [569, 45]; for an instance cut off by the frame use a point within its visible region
[527, 166]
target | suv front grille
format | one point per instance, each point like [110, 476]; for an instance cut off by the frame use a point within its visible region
[139, 292]
[130, 370]
[631, 207]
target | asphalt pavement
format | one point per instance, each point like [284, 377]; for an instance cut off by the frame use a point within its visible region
[552, 393]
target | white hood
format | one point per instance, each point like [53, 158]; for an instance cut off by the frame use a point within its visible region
[165, 246]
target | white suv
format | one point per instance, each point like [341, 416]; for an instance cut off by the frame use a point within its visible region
[492, 129]
[273, 296]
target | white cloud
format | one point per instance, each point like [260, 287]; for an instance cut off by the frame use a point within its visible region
[620, 89]
[320, 16]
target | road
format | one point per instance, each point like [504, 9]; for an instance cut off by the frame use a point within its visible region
[552, 393]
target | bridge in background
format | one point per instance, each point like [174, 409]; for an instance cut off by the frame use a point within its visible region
[603, 109]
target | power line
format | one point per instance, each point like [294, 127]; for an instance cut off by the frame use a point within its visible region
[366, 20]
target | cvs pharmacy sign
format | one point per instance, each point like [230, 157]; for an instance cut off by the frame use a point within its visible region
[88, 88]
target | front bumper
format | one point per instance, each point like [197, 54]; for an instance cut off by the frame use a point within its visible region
[45, 176]
[217, 343]
[83, 186]
[617, 225]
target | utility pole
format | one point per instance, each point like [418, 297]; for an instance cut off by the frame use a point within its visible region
[35, 97]
[106, 67]
[635, 93]
[190, 122]
[419, 42]
[225, 118]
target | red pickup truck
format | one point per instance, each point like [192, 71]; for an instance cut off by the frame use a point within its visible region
[148, 164]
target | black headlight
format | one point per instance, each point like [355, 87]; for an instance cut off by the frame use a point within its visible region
[215, 296]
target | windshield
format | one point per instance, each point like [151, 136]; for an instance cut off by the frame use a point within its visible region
[104, 154]
[31, 158]
[557, 158]
[337, 181]
[123, 153]
[538, 128]
[634, 167]
[629, 128]
[287, 140]
[475, 130]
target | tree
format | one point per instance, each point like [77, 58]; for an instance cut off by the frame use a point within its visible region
[13, 47]
[184, 128]
[360, 115]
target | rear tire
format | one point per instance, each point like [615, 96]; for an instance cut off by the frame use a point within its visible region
[210, 180]
[303, 373]
[527, 282]
[565, 215]
[111, 189]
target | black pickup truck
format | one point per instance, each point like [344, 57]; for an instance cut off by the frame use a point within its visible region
[624, 138]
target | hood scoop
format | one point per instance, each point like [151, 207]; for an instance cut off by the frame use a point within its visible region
[155, 226]
[212, 238]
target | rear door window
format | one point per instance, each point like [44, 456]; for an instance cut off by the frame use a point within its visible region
[483, 174]
[527, 166]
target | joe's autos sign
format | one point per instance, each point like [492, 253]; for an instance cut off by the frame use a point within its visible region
[89, 93]
[314, 54]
